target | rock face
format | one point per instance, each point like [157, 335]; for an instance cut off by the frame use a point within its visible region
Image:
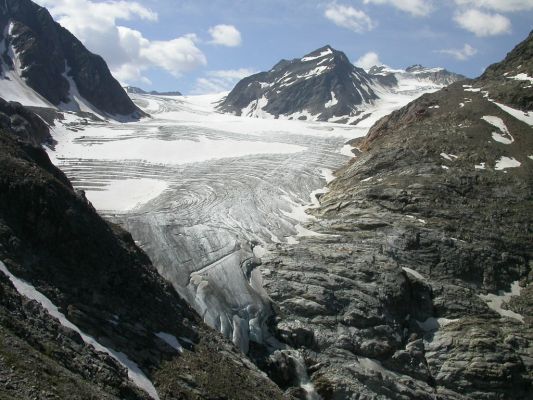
[136, 90]
[420, 285]
[19, 121]
[51, 65]
[321, 85]
[52, 239]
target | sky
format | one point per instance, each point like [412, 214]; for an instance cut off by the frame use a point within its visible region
[206, 46]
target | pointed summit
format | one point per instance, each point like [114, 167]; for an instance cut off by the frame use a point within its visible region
[319, 86]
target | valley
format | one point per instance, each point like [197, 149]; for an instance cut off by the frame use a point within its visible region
[327, 229]
[207, 194]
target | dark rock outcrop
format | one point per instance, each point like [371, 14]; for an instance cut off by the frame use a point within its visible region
[52, 61]
[424, 232]
[19, 121]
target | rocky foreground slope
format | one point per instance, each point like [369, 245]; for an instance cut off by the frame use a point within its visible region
[420, 285]
[99, 288]
[42, 64]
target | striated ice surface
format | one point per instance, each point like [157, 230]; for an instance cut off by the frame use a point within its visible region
[205, 194]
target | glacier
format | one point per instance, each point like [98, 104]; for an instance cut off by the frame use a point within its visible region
[205, 194]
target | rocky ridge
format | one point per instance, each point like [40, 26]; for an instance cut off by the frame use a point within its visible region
[46, 65]
[322, 84]
[419, 285]
[136, 90]
[418, 72]
[325, 86]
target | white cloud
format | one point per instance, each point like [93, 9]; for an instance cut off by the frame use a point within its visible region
[498, 5]
[225, 35]
[128, 53]
[460, 54]
[220, 81]
[417, 8]
[368, 60]
[349, 17]
[483, 24]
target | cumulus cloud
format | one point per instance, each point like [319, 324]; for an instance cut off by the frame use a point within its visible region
[368, 60]
[349, 17]
[460, 54]
[483, 24]
[417, 8]
[128, 53]
[221, 80]
[498, 5]
[225, 35]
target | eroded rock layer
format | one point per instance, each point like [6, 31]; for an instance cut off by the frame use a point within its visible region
[420, 286]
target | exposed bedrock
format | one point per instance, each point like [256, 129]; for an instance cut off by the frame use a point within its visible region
[420, 287]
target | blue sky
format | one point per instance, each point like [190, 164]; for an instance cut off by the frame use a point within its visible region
[200, 46]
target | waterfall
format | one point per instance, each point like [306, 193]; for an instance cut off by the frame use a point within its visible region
[302, 376]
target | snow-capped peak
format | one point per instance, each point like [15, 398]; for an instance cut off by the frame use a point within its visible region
[323, 52]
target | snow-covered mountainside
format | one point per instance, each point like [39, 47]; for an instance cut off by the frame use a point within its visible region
[325, 86]
[44, 65]
[419, 73]
[320, 86]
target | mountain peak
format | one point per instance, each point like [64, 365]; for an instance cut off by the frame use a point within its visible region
[323, 52]
[321, 85]
[44, 65]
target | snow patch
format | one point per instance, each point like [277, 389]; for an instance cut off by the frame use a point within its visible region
[126, 195]
[495, 301]
[347, 151]
[449, 157]
[505, 136]
[521, 77]
[334, 101]
[526, 117]
[257, 109]
[414, 273]
[328, 175]
[314, 72]
[326, 52]
[434, 324]
[134, 372]
[471, 89]
[171, 340]
[507, 162]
